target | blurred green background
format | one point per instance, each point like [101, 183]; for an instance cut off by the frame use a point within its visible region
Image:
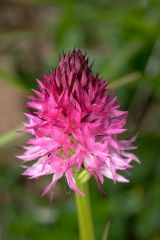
[123, 37]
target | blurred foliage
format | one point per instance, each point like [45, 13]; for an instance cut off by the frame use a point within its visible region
[124, 39]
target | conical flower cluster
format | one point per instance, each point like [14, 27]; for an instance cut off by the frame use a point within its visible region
[75, 125]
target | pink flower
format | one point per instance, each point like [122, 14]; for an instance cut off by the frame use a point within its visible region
[75, 124]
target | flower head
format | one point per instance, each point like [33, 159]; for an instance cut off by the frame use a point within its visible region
[75, 124]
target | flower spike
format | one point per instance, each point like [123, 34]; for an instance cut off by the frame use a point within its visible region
[75, 124]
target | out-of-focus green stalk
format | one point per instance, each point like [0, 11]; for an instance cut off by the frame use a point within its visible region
[84, 212]
[9, 136]
[106, 230]
[125, 80]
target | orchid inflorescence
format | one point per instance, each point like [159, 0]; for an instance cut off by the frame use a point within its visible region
[75, 125]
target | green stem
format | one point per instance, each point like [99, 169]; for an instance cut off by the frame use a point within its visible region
[84, 212]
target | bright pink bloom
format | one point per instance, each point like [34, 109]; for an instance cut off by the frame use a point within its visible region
[75, 124]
